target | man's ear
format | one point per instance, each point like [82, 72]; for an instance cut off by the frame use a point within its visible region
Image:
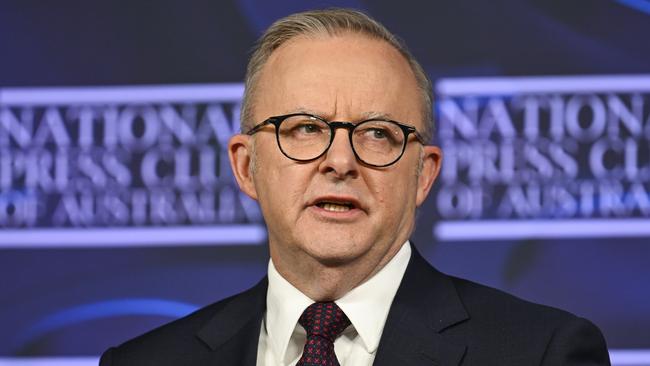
[240, 153]
[431, 160]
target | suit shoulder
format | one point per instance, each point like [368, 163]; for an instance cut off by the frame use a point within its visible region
[521, 332]
[157, 346]
[183, 327]
[491, 304]
[173, 341]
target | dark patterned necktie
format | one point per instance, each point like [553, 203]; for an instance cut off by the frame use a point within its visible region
[323, 321]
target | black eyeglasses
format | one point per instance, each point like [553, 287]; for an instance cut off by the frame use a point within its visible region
[375, 142]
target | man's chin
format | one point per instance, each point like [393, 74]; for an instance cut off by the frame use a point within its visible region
[334, 262]
[337, 255]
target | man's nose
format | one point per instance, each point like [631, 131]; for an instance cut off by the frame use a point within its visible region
[340, 160]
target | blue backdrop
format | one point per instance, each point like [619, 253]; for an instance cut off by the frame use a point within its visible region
[118, 211]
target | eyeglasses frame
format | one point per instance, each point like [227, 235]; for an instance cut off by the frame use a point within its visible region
[333, 126]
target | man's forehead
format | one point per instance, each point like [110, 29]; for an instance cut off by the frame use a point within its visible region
[349, 77]
[329, 115]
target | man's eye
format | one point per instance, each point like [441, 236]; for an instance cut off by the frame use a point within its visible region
[308, 128]
[378, 133]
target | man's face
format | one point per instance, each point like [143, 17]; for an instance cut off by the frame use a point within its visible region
[335, 210]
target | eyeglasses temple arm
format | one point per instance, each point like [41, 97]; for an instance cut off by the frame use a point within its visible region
[259, 126]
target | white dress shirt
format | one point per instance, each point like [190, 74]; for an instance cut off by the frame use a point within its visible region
[282, 339]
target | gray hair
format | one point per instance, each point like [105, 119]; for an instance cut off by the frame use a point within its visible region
[330, 22]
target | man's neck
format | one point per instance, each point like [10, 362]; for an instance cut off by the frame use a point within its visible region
[328, 281]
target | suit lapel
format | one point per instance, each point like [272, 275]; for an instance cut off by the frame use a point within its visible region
[426, 304]
[232, 335]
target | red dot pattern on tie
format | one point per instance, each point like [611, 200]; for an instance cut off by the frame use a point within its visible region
[324, 322]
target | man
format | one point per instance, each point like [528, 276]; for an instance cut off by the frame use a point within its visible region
[336, 120]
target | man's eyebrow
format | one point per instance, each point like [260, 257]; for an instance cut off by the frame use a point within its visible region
[363, 116]
[375, 114]
[305, 110]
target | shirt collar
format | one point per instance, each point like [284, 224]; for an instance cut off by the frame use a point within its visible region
[366, 305]
[284, 305]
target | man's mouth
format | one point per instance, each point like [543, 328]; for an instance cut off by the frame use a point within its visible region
[335, 206]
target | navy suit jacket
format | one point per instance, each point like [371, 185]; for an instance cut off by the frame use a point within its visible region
[435, 319]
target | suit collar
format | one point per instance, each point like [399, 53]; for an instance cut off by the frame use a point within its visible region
[233, 333]
[426, 304]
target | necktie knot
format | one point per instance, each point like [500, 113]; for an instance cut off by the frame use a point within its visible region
[324, 319]
[324, 322]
